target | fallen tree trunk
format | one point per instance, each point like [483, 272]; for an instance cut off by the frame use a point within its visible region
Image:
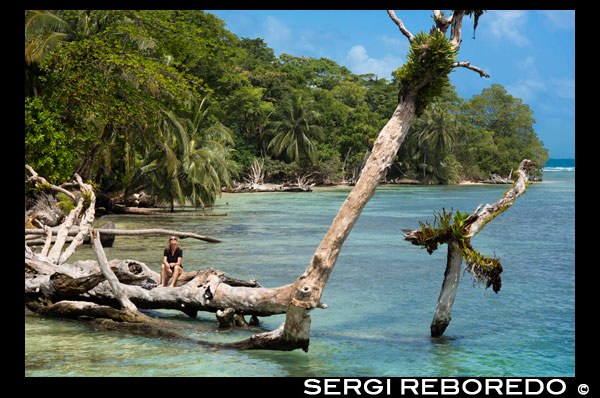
[32, 235]
[143, 212]
[207, 290]
[135, 232]
[109, 275]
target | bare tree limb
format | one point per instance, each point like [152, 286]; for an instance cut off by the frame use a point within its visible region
[108, 274]
[48, 241]
[398, 22]
[180, 234]
[132, 232]
[85, 223]
[64, 230]
[489, 212]
[467, 64]
[37, 178]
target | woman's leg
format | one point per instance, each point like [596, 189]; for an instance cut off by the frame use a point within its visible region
[165, 271]
[176, 272]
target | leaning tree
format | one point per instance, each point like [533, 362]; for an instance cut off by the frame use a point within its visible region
[112, 293]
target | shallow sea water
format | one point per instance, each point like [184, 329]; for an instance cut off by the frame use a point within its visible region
[381, 294]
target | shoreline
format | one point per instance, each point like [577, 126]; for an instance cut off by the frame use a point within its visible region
[401, 184]
[340, 186]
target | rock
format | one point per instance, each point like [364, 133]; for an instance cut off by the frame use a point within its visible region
[149, 284]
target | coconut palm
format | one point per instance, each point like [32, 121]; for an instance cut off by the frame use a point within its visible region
[295, 130]
[191, 163]
[43, 31]
[436, 138]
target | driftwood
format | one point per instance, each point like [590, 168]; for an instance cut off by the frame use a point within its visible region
[496, 179]
[32, 235]
[144, 212]
[113, 293]
[132, 232]
[256, 187]
[51, 285]
[254, 182]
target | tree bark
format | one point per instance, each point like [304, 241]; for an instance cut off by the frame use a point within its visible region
[108, 274]
[84, 280]
[84, 225]
[441, 317]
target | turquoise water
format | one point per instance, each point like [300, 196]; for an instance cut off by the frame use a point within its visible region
[381, 294]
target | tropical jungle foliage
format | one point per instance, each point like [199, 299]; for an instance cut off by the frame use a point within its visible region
[173, 103]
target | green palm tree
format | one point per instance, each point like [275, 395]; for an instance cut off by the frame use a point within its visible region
[44, 30]
[436, 138]
[295, 131]
[191, 164]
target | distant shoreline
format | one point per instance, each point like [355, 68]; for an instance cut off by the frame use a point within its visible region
[569, 166]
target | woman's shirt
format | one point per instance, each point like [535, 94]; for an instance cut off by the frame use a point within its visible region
[172, 258]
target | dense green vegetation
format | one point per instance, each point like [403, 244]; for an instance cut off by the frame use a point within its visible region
[174, 103]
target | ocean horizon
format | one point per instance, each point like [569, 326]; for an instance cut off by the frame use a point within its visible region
[559, 163]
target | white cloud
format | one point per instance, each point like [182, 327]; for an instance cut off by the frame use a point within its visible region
[562, 19]
[296, 40]
[360, 62]
[549, 95]
[508, 25]
[275, 32]
[563, 87]
[526, 89]
[527, 63]
[394, 43]
[530, 85]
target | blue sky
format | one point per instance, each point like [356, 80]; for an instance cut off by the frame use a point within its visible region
[531, 53]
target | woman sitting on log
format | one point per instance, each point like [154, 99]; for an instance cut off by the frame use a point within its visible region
[171, 264]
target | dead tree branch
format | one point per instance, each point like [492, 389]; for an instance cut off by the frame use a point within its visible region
[36, 178]
[398, 22]
[466, 64]
[518, 188]
[108, 274]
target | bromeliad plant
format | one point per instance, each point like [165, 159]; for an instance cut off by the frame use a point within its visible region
[446, 227]
[429, 61]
